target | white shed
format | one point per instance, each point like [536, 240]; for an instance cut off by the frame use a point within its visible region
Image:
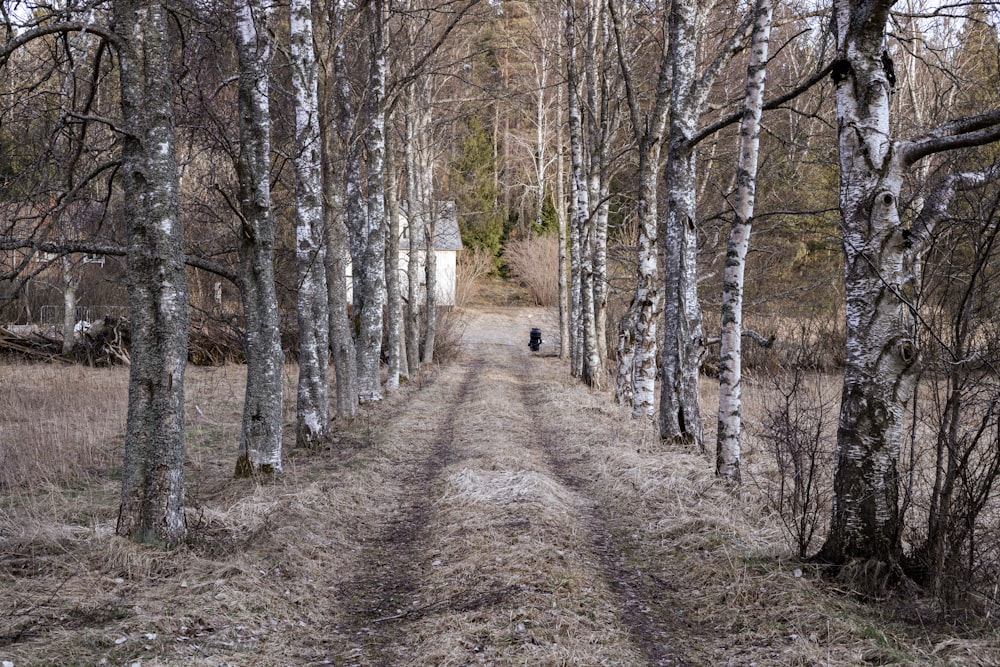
[447, 243]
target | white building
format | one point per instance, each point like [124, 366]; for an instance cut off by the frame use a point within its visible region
[447, 244]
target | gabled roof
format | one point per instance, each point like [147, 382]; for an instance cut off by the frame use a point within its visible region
[446, 234]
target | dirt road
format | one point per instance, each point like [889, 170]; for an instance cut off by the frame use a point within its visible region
[501, 548]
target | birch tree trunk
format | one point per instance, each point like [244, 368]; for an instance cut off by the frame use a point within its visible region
[680, 413]
[583, 332]
[369, 260]
[727, 457]
[338, 251]
[564, 262]
[394, 324]
[152, 499]
[260, 438]
[636, 373]
[415, 230]
[430, 233]
[597, 139]
[881, 276]
[312, 408]
[683, 343]
[70, 279]
[342, 348]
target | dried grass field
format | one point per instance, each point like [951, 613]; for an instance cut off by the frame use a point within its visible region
[492, 512]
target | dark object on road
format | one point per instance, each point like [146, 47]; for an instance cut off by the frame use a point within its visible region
[535, 339]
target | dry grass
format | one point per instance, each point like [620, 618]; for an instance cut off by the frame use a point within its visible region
[505, 476]
[58, 425]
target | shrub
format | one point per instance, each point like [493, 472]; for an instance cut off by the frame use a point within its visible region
[535, 262]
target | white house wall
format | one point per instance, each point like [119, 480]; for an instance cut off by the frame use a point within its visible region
[447, 261]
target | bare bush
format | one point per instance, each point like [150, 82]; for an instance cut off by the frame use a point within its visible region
[448, 339]
[958, 556]
[474, 264]
[795, 427]
[535, 262]
[812, 342]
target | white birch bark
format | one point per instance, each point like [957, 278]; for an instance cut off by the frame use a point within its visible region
[683, 342]
[881, 275]
[260, 437]
[727, 457]
[680, 414]
[636, 373]
[369, 262]
[583, 333]
[312, 407]
[152, 499]
[597, 140]
[70, 279]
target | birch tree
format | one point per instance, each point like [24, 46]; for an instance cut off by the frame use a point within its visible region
[683, 343]
[369, 239]
[260, 438]
[393, 286]
[336, 138]
[881, 276]
[415, 230]
[310, 248]
[727, 457]
[636, 373]
[152, 499]
[586, 358]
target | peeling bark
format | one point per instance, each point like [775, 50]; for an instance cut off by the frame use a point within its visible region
[680, 413]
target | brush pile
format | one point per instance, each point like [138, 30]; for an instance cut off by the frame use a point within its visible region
[101, 343]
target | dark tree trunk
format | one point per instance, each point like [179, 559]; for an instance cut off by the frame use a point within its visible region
[152, 500]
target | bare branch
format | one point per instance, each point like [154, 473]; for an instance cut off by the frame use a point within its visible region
[936, 206]
[28, 36]
[91, 248]
[736, 43]
[964, 132]
[769, 105]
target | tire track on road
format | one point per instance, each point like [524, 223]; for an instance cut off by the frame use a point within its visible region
[378, 599]
[647, 617]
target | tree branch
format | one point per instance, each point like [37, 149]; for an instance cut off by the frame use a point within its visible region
[736, 43]
[28, 36]
[961, 133]
[936, 205]
[86, 247]
[769, 105]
